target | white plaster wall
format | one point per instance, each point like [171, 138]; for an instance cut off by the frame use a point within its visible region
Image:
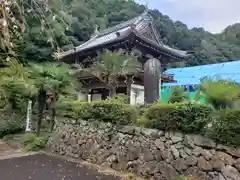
[82, 96]
[137, 94]
[120, 94]
[96, 97]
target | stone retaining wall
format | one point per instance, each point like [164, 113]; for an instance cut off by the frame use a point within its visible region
[146, 152]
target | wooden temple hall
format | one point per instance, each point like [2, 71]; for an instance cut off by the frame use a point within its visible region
[138, 33]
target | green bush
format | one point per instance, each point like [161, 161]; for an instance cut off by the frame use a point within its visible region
[108, 111]
[178, 95]
[220, 94]
[131, 176]
[65, 107]
[141, 109]
[226, 127]
[186, 178]
[187, 117]
[120, 99]
[159, 116]
[192, 117]
[31, 142]
[10, 127]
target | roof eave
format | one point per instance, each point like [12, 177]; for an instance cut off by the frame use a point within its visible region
[168, 51]
[82, 51]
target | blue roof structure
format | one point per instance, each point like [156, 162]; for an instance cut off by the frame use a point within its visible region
[193, 75]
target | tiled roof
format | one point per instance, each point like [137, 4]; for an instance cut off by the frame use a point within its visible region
[120, 31]
[95, 41]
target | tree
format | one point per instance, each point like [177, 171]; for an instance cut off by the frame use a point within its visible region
[111, 65]
[13, 19]
[37, 28]
[51, 80]
[15, 85]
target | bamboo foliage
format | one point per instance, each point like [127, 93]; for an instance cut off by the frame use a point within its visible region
[14, 16]
[11, 22]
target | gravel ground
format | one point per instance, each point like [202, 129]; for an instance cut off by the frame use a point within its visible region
[45, 167]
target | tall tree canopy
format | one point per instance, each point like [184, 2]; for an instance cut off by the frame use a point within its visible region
[62, 24]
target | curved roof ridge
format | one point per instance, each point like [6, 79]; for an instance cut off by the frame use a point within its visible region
[122, 25]
[87, 42]
[70, 51]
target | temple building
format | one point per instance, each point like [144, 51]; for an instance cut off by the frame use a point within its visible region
[138, 33]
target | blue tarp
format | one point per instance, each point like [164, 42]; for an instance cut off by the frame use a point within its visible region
[193, 75]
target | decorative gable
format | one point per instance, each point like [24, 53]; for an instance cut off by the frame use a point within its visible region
[150, 34]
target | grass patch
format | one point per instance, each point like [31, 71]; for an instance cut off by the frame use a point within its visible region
[31, 142]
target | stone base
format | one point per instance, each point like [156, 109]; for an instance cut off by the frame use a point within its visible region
[146, 152]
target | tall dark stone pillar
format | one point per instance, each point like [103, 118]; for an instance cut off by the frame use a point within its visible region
[152, 70]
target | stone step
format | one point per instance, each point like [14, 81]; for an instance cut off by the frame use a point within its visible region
[4, 146]
[7, 151]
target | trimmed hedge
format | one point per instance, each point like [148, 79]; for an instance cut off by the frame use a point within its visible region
[159, 116]
[193, 118]
[186, 117]
[107, 111]
[226, 127]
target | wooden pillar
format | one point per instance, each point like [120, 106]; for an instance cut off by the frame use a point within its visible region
[151, 80]
[105, 93]
[129, 83]
[89, 99]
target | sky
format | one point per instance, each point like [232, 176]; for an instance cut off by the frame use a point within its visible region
[212, 15]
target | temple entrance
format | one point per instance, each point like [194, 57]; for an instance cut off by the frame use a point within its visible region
[137, 34]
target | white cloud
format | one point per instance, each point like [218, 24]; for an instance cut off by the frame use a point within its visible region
[213, 15]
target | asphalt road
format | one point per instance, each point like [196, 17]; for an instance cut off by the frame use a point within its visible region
[44, 167]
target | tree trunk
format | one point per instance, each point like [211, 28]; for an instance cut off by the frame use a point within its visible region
[41, 105]
[53, 119]
[112, 91]
[53, 112]
[129, 83]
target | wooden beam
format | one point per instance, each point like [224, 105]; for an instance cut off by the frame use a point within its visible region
[101, 85]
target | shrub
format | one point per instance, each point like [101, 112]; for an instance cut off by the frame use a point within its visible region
[186, 178]
[65, 107]
[10, 127]
[108, 111]
[220, 94]
[141, 109]
[28, 138]
[192, 117]
[226, 127]
[159, 116]
[31, 142]
[131, 176]
[187, 117]
[120, 98]
[178, 95]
